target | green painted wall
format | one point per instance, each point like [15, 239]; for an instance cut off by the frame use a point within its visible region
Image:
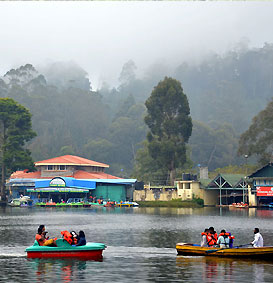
[114, 193]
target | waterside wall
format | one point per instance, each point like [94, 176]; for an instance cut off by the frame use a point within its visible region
[155, 193]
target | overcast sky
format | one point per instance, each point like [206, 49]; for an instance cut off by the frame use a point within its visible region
[102, 36]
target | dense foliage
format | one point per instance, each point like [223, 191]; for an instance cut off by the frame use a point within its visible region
[170, 125]
[15, 131]
[258, 139]
[224, 92]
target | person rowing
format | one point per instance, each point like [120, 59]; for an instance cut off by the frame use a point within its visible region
[258, 239]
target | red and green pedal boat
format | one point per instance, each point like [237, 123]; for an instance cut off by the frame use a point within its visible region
[65, 250]
[243, 251]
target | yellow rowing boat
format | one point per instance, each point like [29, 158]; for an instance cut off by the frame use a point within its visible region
[243, 252]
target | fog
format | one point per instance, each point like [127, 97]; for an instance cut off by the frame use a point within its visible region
[102, 36]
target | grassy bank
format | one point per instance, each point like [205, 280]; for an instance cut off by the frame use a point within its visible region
[172, 203]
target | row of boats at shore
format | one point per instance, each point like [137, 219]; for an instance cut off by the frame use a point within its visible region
[26, 201]
[245, 205]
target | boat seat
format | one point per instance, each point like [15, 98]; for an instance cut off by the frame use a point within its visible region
[36, 243]
[59, 243]
[62, 243]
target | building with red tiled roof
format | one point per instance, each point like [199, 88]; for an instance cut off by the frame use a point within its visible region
[67, 166]
[71, 160]
[75, 167]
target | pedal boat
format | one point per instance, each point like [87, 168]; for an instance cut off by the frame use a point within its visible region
[65, 250]
[236, 252]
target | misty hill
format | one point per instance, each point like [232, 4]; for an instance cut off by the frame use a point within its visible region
[64, 117]
[231, 88]
[224, 92]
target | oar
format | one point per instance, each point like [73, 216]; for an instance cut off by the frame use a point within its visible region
[216, 250]
[244, 245]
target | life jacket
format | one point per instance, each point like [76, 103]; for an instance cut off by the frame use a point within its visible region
[74, 241]
[211, 239]
[227, 234]
[38, 238]
[67, 237]
[224, 234]
[231, 239]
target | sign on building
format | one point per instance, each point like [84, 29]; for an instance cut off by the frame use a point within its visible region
[57, 182]
[265, 191]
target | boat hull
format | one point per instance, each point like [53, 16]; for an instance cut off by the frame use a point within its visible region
[189, 249]
[65, 250]
[67, 254]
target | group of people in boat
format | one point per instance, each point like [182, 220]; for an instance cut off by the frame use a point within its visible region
[210, 238]
[72, 238]
[225, 239]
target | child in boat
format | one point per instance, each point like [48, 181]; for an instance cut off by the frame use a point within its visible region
[81, 239]
[223, 239]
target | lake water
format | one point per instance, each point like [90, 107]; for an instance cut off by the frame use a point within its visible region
[140, 244]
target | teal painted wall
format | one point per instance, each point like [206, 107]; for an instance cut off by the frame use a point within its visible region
[114, 193]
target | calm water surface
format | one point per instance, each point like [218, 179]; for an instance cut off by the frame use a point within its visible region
[141, 244]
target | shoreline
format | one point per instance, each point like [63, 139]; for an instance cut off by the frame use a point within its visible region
[170, 203]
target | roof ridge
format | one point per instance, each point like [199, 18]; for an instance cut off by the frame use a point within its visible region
[73, 159]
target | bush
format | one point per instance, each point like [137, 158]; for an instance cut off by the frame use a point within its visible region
[172, 203]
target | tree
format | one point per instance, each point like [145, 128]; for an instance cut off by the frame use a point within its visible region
[170, 125]
[128, 72]
[258, 139]
[214, 147]
[15, 131]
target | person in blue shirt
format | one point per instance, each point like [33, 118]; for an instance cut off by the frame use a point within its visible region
[81, 239]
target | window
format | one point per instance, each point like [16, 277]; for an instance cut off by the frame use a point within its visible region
[187, 186]
[49, 167]
[56, 167]
[62, 167]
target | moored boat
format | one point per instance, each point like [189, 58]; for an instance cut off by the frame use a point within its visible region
[239, 205]
[240, 251]
[23, 201]
[65, 250]
[127, 204]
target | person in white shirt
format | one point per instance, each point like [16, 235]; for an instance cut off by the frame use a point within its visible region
[223, 239]
[204, 242]
[258, 239]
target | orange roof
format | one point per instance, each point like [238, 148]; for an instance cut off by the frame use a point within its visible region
[70, 160]
[24, 174]
[79, 174]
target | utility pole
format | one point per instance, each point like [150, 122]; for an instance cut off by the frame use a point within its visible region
[246, 156]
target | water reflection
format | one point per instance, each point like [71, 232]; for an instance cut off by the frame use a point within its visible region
[216, 269]
[141, 244]
[63, 270]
